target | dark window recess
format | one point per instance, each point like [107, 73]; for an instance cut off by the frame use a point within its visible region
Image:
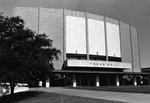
[97, 57]
[94, 69]
[76, 56]
[115, 59]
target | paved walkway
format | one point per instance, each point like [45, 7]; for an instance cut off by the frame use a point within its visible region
[116, 96]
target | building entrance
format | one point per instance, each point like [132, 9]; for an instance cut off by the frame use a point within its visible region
[80, 81]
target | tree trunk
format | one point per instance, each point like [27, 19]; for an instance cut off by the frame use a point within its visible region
[12, 88]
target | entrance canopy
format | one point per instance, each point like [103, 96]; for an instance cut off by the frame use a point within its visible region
[97, 72]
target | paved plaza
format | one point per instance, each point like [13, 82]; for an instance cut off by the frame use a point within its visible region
[116, 96]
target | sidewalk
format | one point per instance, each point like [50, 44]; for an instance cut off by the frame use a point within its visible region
[116, 96]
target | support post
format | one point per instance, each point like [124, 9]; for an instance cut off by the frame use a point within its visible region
[117, 80]
[134, 80]
[74, 81]
[97, 81]
[48, 83]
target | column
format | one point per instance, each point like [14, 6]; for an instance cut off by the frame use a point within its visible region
[134, 80]
[105, 28]
[48, 83]
[87, 36]
[117, 80]
[97, 81]
[74, 81]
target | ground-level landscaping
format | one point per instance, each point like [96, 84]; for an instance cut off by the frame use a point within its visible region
[129, 89]
[43, 97]
[36, 96]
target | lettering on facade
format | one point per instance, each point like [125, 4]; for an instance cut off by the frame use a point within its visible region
[102, 64]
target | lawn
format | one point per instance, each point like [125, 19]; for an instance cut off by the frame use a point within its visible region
[129, 89]
[44, 97]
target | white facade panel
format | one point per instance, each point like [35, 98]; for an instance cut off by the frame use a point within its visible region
[96, 37]
[51, 23]
[75, 35]
[113, 40]
[29, 15]
[95, 63]
[135, 50]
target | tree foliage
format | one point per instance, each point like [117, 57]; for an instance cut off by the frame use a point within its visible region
[25, 56]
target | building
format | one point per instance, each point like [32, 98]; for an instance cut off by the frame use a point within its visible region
[95, 50]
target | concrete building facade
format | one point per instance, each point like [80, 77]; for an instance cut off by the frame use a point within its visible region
[91, 45]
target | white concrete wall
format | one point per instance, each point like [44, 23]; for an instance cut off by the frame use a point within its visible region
[113, 40]
[135, 50]
[29, 15]
[96, 37]
[96, 63]
[51, 23]
[75, 35]
[125, 43]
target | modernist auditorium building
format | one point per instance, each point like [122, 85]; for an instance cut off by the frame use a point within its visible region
[95, 50]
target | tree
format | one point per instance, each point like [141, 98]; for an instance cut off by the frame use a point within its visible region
[25, 56]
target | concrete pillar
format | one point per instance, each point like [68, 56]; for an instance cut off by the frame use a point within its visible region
[97, 81]
[48, 83]
[105, 29]
[87, 36]
[117, 80]
[74, 81]
[134, 80]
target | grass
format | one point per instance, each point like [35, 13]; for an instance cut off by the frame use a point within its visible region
[129, 89]
[44, 97]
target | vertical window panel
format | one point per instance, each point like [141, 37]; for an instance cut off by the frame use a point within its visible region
[113, 40]
[75, 35]
[96, 37]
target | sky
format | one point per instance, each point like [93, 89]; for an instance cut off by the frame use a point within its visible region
[133, 12]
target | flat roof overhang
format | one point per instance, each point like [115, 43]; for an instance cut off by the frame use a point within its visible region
[146, 70]
[97, 72]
